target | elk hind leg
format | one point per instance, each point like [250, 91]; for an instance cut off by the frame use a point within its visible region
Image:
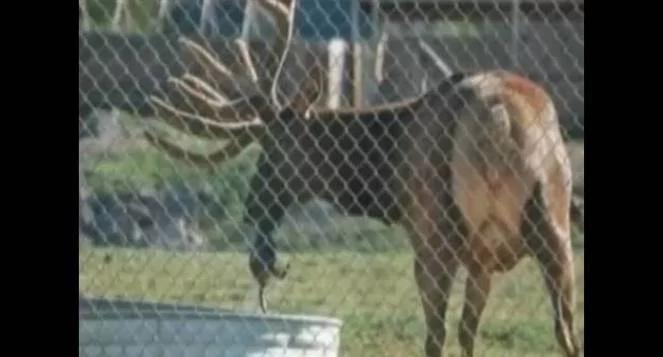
[550, 244]
[477, 290]
[434, 273]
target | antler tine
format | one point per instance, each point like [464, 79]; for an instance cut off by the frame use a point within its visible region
[281, 6]
[242, 109]
[221, 75]
[206, 56]
[202, 126]
[282, 12]
[175, 151]
[204, 91]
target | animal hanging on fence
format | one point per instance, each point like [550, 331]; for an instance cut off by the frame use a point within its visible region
[475, 169]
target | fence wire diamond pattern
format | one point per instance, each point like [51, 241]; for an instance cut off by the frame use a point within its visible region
[331, 178]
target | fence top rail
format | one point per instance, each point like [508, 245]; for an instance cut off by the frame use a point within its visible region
[478, 10]
[492, 2]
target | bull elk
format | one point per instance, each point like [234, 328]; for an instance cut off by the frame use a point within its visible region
[474, 169]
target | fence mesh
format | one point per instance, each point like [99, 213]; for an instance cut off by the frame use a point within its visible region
[373, 164]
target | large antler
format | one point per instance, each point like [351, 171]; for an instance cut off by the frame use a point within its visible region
[198, 101]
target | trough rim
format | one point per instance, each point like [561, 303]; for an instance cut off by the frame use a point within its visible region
[125, 309]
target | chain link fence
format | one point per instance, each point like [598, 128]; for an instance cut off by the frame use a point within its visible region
[300, 157]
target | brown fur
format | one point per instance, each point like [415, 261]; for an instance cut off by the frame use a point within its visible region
[511, 183]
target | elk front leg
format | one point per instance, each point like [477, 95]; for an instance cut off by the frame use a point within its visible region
[434, 274]
[550, 243]
[266, 204]
[477, 289]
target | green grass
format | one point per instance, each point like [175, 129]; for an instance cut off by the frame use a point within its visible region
[354, 269]
[374, 295]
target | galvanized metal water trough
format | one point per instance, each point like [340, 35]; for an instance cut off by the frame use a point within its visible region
[126, 328]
